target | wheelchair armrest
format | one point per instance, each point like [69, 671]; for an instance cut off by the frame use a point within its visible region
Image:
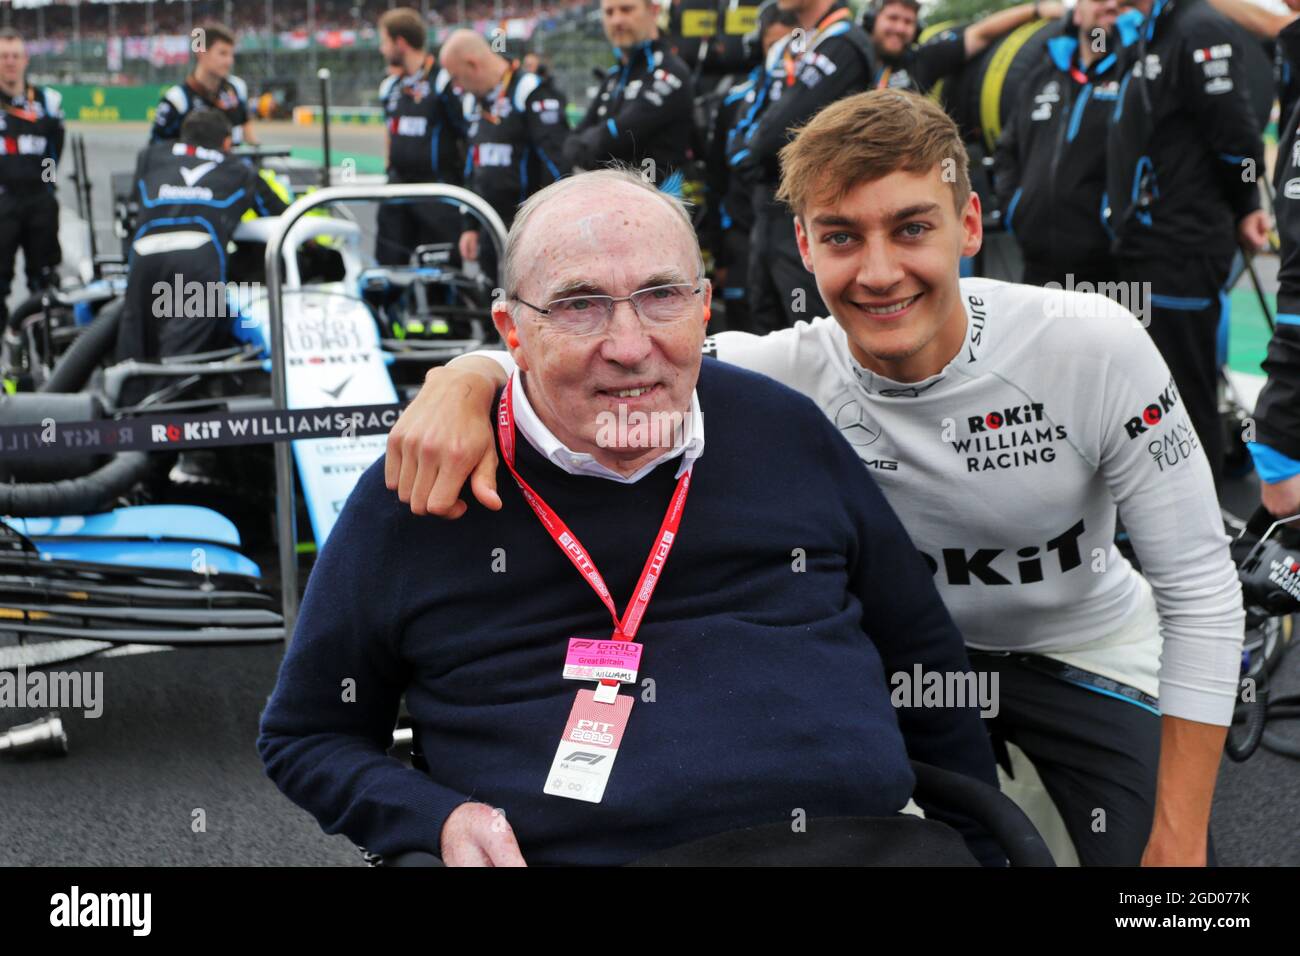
[987, 806]
[412, 858]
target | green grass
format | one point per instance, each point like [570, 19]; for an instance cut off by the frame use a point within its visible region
[1248, 333]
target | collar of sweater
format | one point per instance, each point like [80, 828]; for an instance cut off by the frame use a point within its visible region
[688, 440]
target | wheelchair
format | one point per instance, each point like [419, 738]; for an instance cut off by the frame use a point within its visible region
[775, 845]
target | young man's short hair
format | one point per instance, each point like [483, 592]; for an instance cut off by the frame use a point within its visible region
[214, 33]
[206, 128]
[866, 137]
[403, 23]
[9, 33]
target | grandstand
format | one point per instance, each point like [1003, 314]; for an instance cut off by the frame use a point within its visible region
[282, 43]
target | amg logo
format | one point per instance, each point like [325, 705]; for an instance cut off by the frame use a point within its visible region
[1154, 413]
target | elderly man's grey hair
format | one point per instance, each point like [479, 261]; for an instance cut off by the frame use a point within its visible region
[596, 180]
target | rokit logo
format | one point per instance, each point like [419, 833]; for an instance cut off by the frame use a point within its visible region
[962, 567]
[1177, 446]
[999, 439]
[1154, 413]
[192, 431]
[1016, 415]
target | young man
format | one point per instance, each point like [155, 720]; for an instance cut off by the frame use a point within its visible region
[31, 140]
[643, 111]
[516, 134]
[210, 86]
[425, 117]
[902, 63]
[1008, 425]
[1051, 159]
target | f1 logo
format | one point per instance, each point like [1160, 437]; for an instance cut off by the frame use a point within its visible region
[582, 756]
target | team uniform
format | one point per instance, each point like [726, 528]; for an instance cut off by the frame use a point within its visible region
[1008, 468]
[1276, 451]
[731, 199]
[1051, 166]
[425, 116]
[1286, 75]
[191, 200]
[182, 99]
[1183, 154]
[644, 110]
[835, 61]
[922, 65]
[31, 141]
[516, 143]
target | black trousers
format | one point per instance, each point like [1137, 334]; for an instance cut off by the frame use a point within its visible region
[781, 290]
[1097, 755]
[402, 225]
[735, 291]
[160, 320]
[29, 220]
[1186, 307]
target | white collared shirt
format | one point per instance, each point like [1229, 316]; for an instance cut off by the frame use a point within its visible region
[553, 450]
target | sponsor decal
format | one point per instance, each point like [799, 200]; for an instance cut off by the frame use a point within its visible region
[1011, 437]
[1175, 447]
[994, 566]
[1154, 413]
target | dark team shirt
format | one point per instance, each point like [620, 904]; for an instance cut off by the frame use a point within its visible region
[31, 132]
[921, 66]
[1277, 414]
[425, 115]
[1286, 70]
[516, 141]
[835, 61]
[1183, 137]
[178, 102]
[1051, 159]
[643, 110]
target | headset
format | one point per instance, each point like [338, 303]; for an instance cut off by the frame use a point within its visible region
[752, 42]
[873, 9]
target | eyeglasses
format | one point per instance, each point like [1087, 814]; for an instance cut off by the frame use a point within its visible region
[588, 314]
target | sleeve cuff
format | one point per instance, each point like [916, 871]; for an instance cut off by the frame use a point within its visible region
[1271, 464]
[1202, 706]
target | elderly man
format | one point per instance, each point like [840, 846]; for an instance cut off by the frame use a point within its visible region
[756, 635]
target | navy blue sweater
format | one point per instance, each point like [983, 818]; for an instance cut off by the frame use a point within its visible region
[770, 690]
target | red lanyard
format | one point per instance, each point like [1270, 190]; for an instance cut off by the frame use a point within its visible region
[568, 542]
